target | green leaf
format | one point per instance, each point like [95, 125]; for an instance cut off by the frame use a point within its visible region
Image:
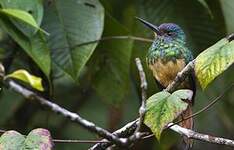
[35, 47]
[214, 61]
[11, 140]
[71, 23]
[163, 108]
[37, 139]
[22, 16]
[34, 8]
[111, 63]
[24, 76]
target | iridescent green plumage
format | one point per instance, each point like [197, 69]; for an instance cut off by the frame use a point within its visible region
[168, 50]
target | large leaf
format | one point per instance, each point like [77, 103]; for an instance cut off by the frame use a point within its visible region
[35, 8]
[163, 108]
[38, 139]
[213, 61]
[71, 23]
[26, 77]
[112, 64]
[22, 16]
[35, 47]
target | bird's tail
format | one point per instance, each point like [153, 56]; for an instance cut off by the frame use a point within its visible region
[188, 143]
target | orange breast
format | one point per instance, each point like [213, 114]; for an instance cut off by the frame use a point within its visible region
[165, 72]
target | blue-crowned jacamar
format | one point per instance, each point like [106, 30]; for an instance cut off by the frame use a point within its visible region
[167, 56]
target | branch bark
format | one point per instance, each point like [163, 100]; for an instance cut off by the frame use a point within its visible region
[142, 108]
[199, 136]
[125, 131]
[58, 109]
[181, 76]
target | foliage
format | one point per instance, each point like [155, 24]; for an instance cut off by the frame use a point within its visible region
[36, 139]
[21, 15]
[91, 77]
[33, 44]
[214, 61]
[70, 24]
[24, 76]
[163, 108]
[31, 12]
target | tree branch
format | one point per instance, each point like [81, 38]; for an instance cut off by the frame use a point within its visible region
[58, 109]
[199, 136]
[142, 109]
[123, 132]
[181, 76]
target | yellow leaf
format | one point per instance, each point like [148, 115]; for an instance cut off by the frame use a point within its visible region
[214, 61]
[26, 77]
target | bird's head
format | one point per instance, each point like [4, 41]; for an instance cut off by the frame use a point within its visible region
[169, 31]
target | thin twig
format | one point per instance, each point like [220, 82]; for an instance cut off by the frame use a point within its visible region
[121, 37]
[137, 134]
[79, 141]
[117, 38]
[142, 109]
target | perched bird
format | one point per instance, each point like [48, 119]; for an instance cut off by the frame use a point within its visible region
[167, 56]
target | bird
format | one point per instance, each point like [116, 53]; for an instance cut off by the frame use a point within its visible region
[167, 56]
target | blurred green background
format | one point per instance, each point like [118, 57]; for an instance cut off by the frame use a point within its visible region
[103, 83]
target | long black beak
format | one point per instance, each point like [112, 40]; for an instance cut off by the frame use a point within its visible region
[149, 25]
